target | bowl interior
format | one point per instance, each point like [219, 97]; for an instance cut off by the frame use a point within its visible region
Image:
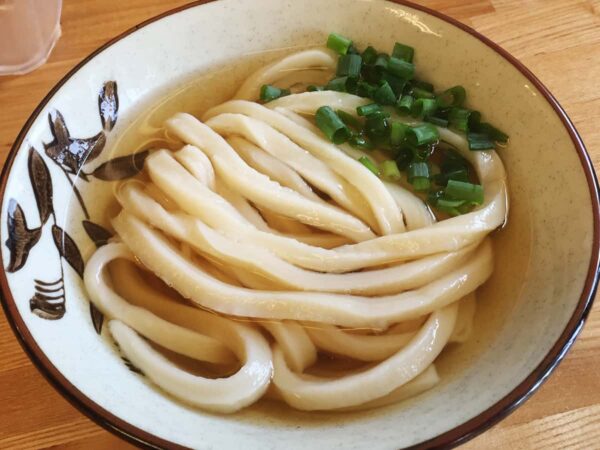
[542, 255]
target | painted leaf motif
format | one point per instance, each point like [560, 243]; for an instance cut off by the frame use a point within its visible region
[68, 249]
[71, 153]
[97, 318]
[20, 238]
[58, 127]
[122, 167]
[41, 182]
[100, 236]
[46, 307]
[108, 105]
[97, 233]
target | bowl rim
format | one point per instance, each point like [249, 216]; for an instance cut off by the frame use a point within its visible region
[451, 438]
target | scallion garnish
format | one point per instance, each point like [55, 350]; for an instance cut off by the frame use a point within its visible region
[384, 94]
[442, 178]
[381, 62]
[313, 88]
[337, 84]
[455, 96]
[397, 133]
[366, 110]
[269, 92]
[369, 55]
[401, 68]
[349, 65]
[418, 92]
[405, 104]
[418, 175]
[365, 89]
[459, 118]
[389, 170]
[439, 121]
[403, 158]
[421, 184]
[369, 165]
[331, 125]
[376, 126]
[423, 134]
[389, 80]
[422, 85]
[403, 52]
[494, 133]
[396, 83]
[349, 119]
[467, 192]
[338, 43]
[360, 141]
[423, 107]
[479, 141]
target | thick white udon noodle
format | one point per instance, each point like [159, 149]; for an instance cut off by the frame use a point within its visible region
[232, 222]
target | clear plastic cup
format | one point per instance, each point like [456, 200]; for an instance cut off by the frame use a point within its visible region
[28, 31]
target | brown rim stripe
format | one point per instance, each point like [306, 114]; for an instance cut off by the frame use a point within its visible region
[449, 439]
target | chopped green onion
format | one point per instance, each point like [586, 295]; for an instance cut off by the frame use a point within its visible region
[423, 134]
[337, 84]
[348, 119]
[418, 170]
[421, 184]
[338, 43]
[397, 84]
[331, 125]
[369, 55]
[397, 133]
[474, 121]
[352, 50]
[439, 121]
[360, 141]
[423, 107]
[384, 94]
[313, 88]
[381, 62]
[404, 158]
[459, 118]
[389, 170]
[468, 192]
[369, 165]
[405, 103]
[403, 52]
[269, 92]
[434, 196]
[448, 206]
[422, 93]
[366, 89]
[458, 175]
[401, 68]
[376, 126]
[369, 109]
[349, 65]
[479, 141]
[455, 96]
[424, 85]
[493, 132]
[423, 152]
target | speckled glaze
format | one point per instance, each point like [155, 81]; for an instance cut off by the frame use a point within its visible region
[529, 311]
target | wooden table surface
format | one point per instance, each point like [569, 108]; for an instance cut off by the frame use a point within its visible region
[559, 40]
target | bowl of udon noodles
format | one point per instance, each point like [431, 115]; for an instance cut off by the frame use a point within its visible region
[298, 225]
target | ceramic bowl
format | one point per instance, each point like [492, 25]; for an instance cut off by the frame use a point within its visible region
[529, 312]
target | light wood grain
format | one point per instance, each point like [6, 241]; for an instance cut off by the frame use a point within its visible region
[559, 40]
